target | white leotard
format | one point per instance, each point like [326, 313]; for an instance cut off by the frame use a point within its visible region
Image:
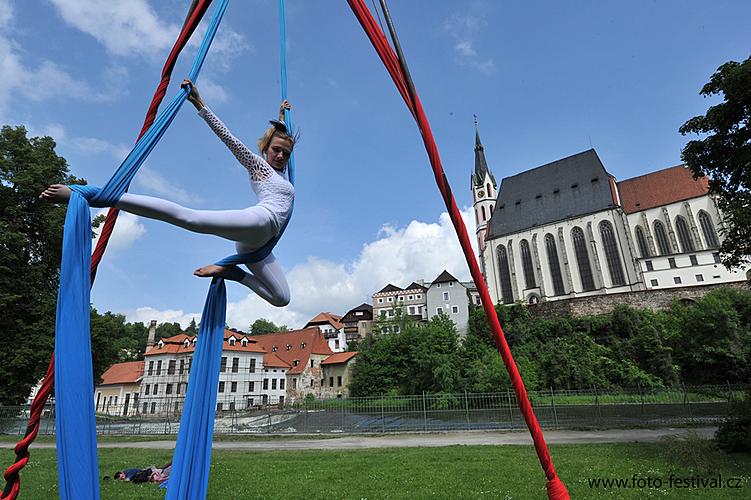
[272, 188]
[250, 228]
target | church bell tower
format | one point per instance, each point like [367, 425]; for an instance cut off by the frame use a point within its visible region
[483, 193]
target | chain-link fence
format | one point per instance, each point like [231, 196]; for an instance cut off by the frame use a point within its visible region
[571, 409]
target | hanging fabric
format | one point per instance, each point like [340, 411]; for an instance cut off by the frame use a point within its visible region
[78, 473]
[397, 68]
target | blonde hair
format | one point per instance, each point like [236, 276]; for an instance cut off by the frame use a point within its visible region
[265, 139]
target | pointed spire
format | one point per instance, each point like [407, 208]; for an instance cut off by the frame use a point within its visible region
[481, 165]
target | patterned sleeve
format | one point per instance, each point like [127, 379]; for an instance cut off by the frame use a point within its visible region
[257, 167]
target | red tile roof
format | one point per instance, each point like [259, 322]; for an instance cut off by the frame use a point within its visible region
[123, 373]
[271, 360]
[660, 188]
[176, 344]
[311, 338]
[326, 317]
[338, 358]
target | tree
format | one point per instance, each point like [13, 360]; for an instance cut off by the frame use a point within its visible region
[262, 326]
[724, 155]
[192, 327]
[30, 252]
[164, 330]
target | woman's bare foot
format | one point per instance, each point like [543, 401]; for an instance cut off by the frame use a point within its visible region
[233, 273]
[56, 193]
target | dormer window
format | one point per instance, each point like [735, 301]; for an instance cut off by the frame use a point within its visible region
[186, 343]
[160, 344]
[574, 186]
[194, 340]
[232, 341]
[244, 342]
[302, 345]
[273, 348]
[595, 179]
[296, 362]
[289, 347]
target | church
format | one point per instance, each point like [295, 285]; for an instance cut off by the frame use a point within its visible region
[569, 229]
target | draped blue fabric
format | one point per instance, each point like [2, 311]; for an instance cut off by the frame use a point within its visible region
[190, 463]
[265, 250]
[78, 473]
[77, 466]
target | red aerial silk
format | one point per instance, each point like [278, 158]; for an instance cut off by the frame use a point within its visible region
[555, 487]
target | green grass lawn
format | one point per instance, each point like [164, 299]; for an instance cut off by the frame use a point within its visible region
[450, 472]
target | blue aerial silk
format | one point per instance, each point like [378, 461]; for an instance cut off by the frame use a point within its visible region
[78, 472]
[189, 478]
[265, 250]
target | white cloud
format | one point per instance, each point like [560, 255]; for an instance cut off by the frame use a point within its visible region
[464, 29]
[133, 28]
[85, 145]
[399, 256]
[46, 81]
[146, 314]
[6, 13]
[127, 231]
[152, 181]
[124, 28]
[212, 92]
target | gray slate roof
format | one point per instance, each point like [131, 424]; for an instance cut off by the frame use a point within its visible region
[566, 188]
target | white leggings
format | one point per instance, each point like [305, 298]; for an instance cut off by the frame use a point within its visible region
[249, 228]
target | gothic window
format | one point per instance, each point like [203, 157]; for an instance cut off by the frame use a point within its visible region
[555, 266]
[684, 237]
[487, 190]
[505, 276]
[710, 235]
[482, 209]
[662, 239]
[642, 242]
[529, 274]
[611, 253]
[582, 259]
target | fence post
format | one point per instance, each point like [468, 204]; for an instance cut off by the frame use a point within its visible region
[510, 408]
[730, 392]
[641, 397]
[552, 402]
[466, 408]
[383, 416]
[424, 414]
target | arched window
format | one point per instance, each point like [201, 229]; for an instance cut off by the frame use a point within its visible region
[684, 237]
[554, 265]
[582, 259]
[482, 209]
[505, 276]
[611, 253]
[662, 239]
[488, 189]
[710, 235]
[641, 242]
[529, 274]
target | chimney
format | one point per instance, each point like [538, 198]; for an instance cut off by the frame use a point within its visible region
[152, 334]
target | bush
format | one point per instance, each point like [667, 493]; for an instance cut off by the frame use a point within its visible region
[734, 434]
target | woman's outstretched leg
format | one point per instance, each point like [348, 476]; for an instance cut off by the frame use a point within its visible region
[252, 226]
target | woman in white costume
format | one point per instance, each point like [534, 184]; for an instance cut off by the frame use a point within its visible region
[249, 228]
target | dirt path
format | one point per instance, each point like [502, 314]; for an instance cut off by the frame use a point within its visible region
[353, 442]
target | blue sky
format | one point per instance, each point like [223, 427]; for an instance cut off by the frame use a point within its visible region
[546, 79]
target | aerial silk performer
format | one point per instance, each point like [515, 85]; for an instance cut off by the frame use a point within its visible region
[250, 228]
